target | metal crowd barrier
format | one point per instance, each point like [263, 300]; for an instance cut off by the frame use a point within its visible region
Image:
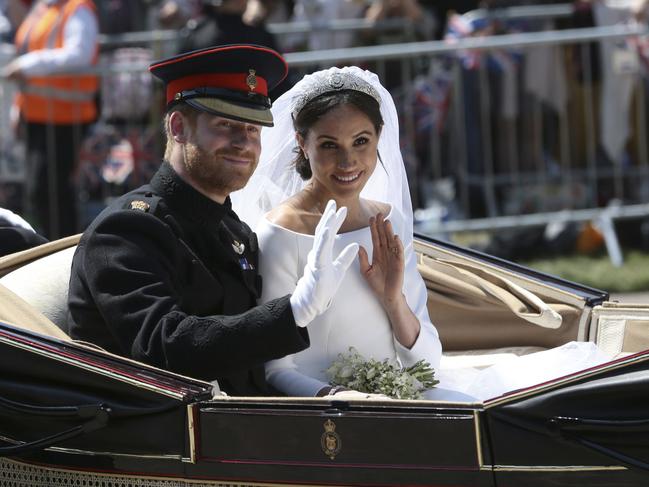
[497, 161]
[476, 163]
[524, 12]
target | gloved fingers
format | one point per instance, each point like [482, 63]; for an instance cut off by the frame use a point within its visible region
[325, 242]
[320, 253]
[327, 215]
[355, 395]
[321, 249]
[346, 257]
[341, 214]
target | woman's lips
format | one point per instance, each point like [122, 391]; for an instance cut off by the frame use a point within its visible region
[347, 178]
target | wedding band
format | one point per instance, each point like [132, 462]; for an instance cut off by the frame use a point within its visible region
[395, 250]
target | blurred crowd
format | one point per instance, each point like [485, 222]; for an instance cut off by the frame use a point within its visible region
[116, 146]
[119, 16]
[65, 169]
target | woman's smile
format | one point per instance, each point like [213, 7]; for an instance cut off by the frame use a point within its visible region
[342, 156]
[347, 178]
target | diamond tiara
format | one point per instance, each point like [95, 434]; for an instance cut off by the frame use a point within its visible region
[333, 82]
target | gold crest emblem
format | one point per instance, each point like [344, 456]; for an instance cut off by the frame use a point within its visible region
[251, 79]
[330, 440]
[140, 205]
[238, 247]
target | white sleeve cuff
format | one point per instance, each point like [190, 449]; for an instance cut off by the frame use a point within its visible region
[283, 376]
[427, 347]
[300, 314]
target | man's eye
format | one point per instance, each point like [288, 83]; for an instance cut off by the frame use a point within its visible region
[253, 129]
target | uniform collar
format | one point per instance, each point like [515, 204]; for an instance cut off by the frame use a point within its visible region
[181, 196]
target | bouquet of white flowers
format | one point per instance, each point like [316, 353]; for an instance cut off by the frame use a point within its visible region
[352, 370]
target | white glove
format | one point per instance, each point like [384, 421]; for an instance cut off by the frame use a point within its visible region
[352, 395]
[14, 220]
[322, 275]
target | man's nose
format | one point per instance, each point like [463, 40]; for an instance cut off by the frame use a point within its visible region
[239, 138]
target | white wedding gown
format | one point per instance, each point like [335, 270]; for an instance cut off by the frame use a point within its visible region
[511, 372]
[356, 319]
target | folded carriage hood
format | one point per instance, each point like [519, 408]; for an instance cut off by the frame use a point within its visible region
[598, 419]
[73, 397]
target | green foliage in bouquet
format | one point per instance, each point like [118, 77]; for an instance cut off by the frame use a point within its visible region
[353, 371]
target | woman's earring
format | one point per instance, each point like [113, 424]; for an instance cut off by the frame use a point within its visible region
[306, 158]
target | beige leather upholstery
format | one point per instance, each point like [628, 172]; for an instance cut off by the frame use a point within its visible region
[472, 309]
[43, 284]
[19, 313]
[18, 259]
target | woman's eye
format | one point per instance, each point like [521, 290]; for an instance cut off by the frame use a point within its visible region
[361, 141]
[328, 145]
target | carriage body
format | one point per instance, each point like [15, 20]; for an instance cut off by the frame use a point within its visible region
[71, 414]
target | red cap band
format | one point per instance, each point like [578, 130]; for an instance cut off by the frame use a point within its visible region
[232, 81]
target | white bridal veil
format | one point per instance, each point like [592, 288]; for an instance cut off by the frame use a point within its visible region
[276, 178]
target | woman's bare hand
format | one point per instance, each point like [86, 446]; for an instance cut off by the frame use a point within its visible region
[385, 273]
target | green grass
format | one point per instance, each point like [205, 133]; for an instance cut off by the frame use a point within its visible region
[597, 271]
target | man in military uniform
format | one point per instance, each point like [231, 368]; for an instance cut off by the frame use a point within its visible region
[167, 274]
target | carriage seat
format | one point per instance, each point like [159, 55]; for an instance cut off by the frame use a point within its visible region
[43, 284]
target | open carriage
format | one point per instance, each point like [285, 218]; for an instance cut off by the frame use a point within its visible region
[71, 414]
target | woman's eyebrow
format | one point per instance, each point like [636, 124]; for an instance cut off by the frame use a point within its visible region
[362, 132]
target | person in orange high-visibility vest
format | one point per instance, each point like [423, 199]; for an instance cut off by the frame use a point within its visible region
[56, 104]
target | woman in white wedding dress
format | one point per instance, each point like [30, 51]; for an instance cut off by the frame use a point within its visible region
[342, 124]
[336, 137]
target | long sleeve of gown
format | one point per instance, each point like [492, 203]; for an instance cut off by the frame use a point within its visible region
[427, 346]
[279, 257]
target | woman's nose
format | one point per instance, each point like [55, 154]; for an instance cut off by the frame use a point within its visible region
[345, 160]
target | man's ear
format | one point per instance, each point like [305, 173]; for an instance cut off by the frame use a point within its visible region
[178, 127]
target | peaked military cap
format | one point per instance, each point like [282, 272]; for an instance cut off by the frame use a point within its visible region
[231, 81]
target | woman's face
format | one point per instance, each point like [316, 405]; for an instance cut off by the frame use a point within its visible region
[342, 151]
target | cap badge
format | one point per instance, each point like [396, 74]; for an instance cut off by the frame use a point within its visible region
[140, 205]
[238, 247]
[251, 79]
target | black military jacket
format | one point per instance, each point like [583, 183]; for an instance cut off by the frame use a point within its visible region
[168, 277]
